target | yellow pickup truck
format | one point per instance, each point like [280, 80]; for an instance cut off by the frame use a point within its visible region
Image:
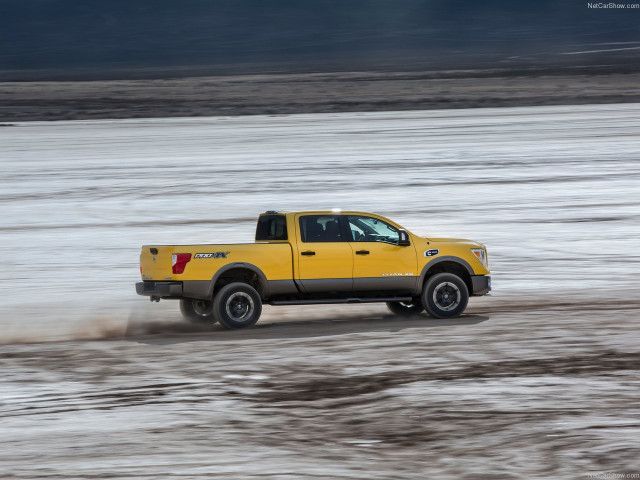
[317, 257]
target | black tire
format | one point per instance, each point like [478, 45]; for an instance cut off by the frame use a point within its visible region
[404, 309]
[197, 311]
[237, 305]
[445, 296]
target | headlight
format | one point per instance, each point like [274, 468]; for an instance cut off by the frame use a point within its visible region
[481, 253]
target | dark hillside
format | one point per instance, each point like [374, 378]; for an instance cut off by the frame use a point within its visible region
[91, 39]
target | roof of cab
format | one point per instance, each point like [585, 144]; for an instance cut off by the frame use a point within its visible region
[334, 211]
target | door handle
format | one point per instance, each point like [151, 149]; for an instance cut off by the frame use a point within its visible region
[309, 252]
[362, 252]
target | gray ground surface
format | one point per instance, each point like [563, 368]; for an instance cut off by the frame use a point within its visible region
[540, 380]
[526, 392]
[310, 93]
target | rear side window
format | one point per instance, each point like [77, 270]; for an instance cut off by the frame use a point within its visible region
[320, 228]
[271, 227]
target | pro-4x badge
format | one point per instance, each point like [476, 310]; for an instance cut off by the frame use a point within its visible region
[212, 255]
[431, 253]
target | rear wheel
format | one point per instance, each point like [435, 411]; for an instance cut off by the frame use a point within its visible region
[237, 305]
[197, 311]
[406, 309]
[445, 296]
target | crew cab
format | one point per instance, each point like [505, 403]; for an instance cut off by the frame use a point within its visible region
[317, 257]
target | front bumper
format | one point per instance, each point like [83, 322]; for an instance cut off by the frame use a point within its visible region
[481, 284]
[159, 289]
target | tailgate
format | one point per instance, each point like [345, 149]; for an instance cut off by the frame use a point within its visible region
[155, 262]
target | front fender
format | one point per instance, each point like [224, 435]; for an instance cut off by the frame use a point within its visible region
[447, 258]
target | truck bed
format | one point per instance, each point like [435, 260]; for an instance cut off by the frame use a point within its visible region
[274, 259]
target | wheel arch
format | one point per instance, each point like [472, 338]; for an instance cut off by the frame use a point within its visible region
[448, 264]
[239, 272]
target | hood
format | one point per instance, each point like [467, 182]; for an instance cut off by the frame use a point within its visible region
[457, 241]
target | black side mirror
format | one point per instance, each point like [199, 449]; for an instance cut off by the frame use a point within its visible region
[403, 238]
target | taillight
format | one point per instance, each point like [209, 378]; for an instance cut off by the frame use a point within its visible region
[179, 261]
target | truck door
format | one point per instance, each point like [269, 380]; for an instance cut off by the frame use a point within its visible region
[379, 263]
[325, 259]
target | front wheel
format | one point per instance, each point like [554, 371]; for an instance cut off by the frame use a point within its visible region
[445, 296]
[406, 309]
[197, 311]
[237, 305]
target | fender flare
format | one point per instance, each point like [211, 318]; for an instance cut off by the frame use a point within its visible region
[247, 266]
[435, 261]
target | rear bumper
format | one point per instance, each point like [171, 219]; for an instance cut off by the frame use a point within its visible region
[481, 284]
[159, 289]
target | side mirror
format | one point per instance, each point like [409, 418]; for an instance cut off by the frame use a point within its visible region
[403, 239]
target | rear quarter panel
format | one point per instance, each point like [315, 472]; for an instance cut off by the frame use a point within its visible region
[273, 259]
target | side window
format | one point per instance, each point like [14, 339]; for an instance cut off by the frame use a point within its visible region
[369, 229]
[320, 228]
[271, 227]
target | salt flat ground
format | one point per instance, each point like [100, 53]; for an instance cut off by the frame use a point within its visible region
[540, 380]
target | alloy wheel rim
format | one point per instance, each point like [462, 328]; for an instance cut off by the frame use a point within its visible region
[446, 296]
[239, 306]
[200, 307]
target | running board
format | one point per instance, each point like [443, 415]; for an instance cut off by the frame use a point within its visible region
[341, 300]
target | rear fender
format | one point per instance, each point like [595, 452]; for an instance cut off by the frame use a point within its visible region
[262, 279]
[204, 289]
